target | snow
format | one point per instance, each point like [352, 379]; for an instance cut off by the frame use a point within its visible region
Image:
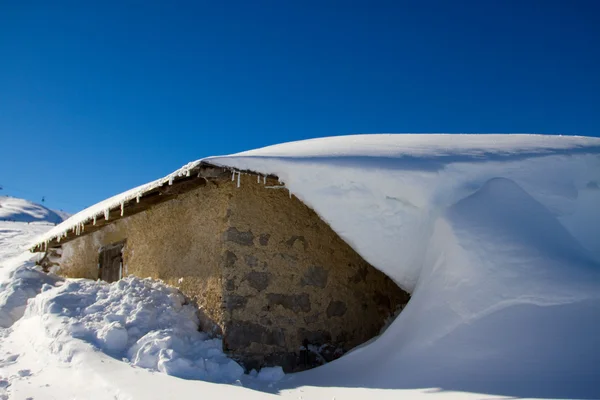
[142, 320]
[417, 151]
[21, 210]
[270, 374]
[496, 237]
[399, 184]
[23, 284]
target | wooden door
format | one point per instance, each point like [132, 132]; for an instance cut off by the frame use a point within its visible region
[111, 263]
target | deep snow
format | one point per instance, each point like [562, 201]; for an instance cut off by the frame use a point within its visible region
[495, 236]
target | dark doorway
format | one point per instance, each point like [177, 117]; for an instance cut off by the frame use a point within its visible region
[111, 262]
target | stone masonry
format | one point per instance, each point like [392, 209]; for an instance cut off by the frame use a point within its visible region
[267, 274]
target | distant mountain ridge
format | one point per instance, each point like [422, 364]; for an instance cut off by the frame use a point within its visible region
[21, 210]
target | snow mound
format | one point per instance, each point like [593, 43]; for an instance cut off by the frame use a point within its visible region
[21, 210]
[23, 284]
[142, 320]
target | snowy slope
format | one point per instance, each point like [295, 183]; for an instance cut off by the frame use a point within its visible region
[496, 236]
[21, 210]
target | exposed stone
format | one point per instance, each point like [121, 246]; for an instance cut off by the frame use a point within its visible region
[314, 337]
[240, 334]
[258, 280]
[309, 319]
[336, 309]
[263, 239]
[230, 259]
[251, 261]
[234, 302]
[287, 360]
[240, 237]
[330, 352]
[315, 276]
[382, 301]
[230, 284]
[360, 275]
[294, 302]
[288, 257]
[207, 324]
[292, 241]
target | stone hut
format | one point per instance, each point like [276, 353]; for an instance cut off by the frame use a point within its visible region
[266, 273]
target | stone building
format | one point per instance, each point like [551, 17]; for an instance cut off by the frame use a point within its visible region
[267, 274]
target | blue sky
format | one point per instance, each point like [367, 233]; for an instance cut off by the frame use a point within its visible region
[98, 97]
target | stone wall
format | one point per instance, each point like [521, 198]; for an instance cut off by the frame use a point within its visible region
[290, 280]
[265, 271]
[177, 241]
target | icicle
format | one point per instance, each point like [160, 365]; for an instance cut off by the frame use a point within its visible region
[58, 239]
[106, 214]
[290, 192]
[232, 176]
[238, 181]
[122, 208]
[257, 178]
[82, 227]
[187, 173]
[171, 180]
[264, 180]
[94, 220]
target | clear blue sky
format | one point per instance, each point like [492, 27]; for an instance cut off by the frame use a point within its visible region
[97, 97]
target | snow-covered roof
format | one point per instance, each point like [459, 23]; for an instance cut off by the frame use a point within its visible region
[381, 150]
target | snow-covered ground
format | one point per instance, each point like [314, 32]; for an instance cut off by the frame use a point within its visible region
[497, 237]
[54, 329]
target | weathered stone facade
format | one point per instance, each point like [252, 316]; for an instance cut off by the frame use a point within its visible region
[265, 271]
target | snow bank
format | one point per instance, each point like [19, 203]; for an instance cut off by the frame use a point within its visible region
[23, 284]
[142, 320]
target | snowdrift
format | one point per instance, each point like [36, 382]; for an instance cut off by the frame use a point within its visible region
[496, 237]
